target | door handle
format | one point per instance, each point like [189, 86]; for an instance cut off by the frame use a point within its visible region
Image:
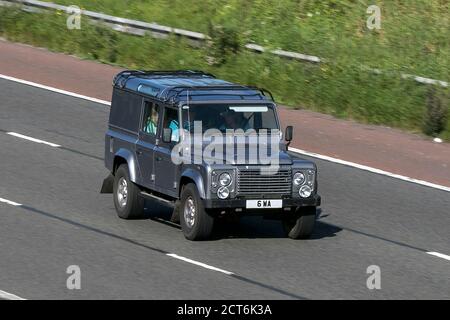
[138, 152]
[158, 158]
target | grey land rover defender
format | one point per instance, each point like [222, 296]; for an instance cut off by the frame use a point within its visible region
[149, 138]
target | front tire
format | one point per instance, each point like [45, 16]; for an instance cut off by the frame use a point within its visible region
[196, 223]
[127, 200]
[301, 226]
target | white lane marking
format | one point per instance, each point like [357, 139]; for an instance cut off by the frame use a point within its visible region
[18, 135]
[68, 93]
[440, 255]
[11, 203]
[370, 169]
[9, 296]
[308, 153]
[198, 263]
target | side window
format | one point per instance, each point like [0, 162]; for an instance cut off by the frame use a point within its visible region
[150, 118]
[125, 110]
[171, 121]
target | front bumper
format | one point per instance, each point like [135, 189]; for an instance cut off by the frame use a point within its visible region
[313, 201]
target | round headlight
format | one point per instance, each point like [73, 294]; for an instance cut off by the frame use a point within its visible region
[223, 192]
[225, 179]
[305, 191]
[299, 179]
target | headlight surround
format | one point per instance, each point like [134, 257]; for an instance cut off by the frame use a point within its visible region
[299, 178]
[305, 191]
[223, 193]
[225, 179]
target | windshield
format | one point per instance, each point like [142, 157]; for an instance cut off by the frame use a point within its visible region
[234, 117]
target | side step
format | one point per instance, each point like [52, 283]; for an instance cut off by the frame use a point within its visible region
[159, 199]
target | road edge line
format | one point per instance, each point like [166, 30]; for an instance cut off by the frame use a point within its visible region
[53, 89]
[370, 169]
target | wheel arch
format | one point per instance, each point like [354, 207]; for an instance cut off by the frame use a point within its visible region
[124, 156]
[192, 176]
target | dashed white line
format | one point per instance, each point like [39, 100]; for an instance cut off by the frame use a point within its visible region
[440, 255]
[370, 169]
[201, 264]
[18, 135]
[308, 153]
[67, 93]
[11, 203]
[9, 296]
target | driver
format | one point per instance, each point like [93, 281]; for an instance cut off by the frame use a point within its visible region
[233, 120]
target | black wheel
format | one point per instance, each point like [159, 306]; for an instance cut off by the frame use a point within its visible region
[196, 223]
[301, 225]
[129, 204]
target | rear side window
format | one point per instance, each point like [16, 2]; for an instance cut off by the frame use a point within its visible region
[125, 110]
[150, 118]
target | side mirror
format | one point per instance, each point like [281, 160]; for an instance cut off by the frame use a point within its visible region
[167, 135]
[288, 135]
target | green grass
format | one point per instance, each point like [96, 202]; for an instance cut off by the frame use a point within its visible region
[413, 39]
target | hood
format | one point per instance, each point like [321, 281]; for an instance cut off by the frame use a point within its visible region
[239, 153]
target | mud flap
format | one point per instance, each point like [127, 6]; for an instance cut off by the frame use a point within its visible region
[175, 218]
[107, 186]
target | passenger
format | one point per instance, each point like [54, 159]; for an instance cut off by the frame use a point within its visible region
[152, 122]
[175, 130]
[187, 126]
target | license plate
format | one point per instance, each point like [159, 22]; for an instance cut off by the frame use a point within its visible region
[264, 204]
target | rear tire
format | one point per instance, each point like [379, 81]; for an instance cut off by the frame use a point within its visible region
[196, 223]
[301, 226]
[127, 200]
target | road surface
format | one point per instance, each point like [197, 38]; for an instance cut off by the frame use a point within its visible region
[52, 216]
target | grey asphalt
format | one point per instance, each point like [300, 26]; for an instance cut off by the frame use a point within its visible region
[366, 219]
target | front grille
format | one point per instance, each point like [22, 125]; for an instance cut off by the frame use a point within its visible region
[254, 183]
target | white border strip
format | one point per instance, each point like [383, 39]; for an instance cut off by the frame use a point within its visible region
[307, 153]
[199, 263]
[12, 203]
[18, 135]
[67, 93]
[440, 255]
[9, 296]
[370, 169]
